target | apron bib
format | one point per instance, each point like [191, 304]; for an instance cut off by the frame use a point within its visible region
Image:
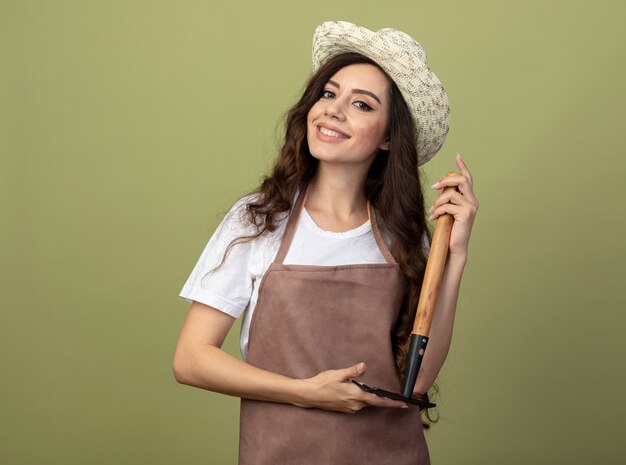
[310, 319]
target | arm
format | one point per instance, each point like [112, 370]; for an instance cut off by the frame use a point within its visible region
[440, 335]
[199, 361]
[462, 204]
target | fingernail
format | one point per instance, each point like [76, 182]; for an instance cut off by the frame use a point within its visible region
[435, 186]
[458, 154]
[360, 366]
[405, 406]
[431, 208]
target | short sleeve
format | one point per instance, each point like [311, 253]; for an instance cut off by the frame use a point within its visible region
[228, 288]
[426, 244]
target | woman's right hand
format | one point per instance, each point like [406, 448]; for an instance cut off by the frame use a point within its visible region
[334, 390]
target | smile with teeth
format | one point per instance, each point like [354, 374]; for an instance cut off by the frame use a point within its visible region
[331, 133]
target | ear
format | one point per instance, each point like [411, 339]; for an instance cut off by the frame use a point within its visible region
[385, 144]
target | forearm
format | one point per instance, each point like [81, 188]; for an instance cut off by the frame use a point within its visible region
[209, 367]
[443, 321]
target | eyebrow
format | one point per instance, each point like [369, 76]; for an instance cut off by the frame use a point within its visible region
[356, 91]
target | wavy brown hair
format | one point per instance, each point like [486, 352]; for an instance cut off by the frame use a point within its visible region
[392, 187]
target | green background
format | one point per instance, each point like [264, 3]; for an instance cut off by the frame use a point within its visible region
[127, 128]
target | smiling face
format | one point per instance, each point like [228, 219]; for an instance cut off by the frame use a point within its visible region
[349, 122]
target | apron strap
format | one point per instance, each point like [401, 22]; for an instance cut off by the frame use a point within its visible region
[294, 218]
[290, 229]
[382, 245]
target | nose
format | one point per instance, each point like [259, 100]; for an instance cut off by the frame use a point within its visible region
[334, 109]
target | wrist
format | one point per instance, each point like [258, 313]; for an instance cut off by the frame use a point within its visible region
[298, 393]
[458, 258]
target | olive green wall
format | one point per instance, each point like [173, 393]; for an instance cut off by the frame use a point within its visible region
[128, 127]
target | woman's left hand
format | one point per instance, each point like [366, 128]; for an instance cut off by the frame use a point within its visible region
[460, 203]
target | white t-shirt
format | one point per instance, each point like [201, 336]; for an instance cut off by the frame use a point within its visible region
[234, 287]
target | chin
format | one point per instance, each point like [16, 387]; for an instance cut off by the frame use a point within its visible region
[322, 156]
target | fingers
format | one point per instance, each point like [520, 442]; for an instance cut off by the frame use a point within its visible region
[378, 401]
[352, 372]
[452, 198]
[461, 214]
[356, 398]
[463, 182]
[462, 196]
[361, 399]
[372, 400]
[463, 168]
[365, 398]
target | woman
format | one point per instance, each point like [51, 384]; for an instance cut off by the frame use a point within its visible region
[325, 262]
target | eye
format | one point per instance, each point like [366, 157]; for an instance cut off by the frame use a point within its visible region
[362, 105]
[328, 94]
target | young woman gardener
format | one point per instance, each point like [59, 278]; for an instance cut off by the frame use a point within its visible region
[325, 262]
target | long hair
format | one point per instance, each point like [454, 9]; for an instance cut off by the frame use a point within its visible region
[392, 187]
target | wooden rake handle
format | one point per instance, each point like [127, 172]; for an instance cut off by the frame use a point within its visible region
[434, 272]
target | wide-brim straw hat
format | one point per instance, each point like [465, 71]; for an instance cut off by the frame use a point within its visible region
[404, 60]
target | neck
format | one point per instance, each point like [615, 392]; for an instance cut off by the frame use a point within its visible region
[338, 192]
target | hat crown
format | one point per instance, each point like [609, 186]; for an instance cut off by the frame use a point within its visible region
[403, 41]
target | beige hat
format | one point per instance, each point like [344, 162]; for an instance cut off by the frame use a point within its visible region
[404, 60]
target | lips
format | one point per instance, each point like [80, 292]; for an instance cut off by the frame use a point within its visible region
[330, 131]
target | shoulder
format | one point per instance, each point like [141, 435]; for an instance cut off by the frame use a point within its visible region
[236, 218]
[240, 206]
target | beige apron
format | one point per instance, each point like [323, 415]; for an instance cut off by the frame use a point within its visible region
[310, 319]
